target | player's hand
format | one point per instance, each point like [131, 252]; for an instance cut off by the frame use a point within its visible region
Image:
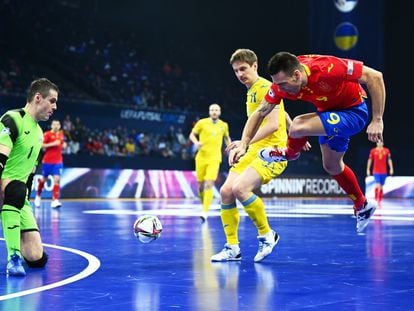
[235, 154]
[307, 146]
[198, 145]
[374, 130]
[232, 145]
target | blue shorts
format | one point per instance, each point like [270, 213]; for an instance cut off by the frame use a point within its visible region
[52, 169]
[380, 178]
[340, 125]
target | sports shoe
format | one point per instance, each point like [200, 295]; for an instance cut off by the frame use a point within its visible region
[227, 254]
[364, 214]
[203, 216]
[55, 204]
[14, 266]
[276, 155]
[266, 245]
[37, 201]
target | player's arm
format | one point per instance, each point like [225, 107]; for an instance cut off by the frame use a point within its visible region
[288, 121]
[390, 165]
[227, 140]
[250, 129]
[374, 81]
[8, 136]
[64, 144]
[194, 140]
[56, 142]
[271, 126]
[369, 163]
[4, 155]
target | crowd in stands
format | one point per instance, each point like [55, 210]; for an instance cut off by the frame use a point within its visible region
[92, 63]
[123, 142]
[89, 63]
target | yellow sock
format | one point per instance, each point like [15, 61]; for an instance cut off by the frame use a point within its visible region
[230, 219]
[207, 199]
[254, 207]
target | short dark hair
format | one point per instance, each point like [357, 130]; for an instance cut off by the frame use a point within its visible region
[42, 86]
[283, 62]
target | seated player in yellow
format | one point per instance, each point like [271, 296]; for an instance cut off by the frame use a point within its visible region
[207, 136]
[251, 172]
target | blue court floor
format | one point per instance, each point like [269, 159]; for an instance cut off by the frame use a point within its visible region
[320, 263]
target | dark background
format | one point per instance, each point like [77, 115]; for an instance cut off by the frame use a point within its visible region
[202, 35]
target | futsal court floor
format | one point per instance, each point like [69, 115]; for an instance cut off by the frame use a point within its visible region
[320, 263]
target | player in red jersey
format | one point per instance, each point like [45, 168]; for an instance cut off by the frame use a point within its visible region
[380, 156]
[52, 163]
[333, 85]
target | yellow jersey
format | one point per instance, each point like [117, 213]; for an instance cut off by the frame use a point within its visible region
[255, 95]
[210, 134]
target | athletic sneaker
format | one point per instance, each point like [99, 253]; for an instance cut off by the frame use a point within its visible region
[276, 155]
[364, 214]
[15, 267]
[37, 201]
[228, 253]
[203, 216]
[55, 204]
[266, 245]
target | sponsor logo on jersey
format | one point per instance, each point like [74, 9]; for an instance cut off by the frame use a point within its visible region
[5, 131]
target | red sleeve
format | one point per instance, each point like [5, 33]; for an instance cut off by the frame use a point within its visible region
[271, 96]
[46, 138]
[389, 153]
[350, 68]
[371, 154]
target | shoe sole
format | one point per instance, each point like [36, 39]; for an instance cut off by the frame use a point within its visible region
[16, 274]
[277, 241]
[227, 260]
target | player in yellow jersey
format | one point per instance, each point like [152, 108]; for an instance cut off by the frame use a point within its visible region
[207, 135]
[251, 172]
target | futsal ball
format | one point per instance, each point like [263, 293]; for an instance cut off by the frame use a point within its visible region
[147, 228]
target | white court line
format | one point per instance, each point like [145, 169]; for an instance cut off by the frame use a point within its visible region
[289, 213]
[93, 265]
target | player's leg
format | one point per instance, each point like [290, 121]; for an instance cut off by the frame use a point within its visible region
[380, 186]
[230, 219]
[339, 126]
[302, 126]
[14, 199]
[31, 243]
[200, 169]
[211, 173]
[46, 170]
[40, 185]
[56, 173]
[258, 173]
[343, 174]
